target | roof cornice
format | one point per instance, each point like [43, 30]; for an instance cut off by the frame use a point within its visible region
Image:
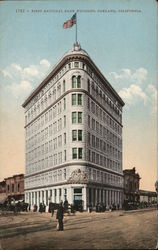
[63, 61]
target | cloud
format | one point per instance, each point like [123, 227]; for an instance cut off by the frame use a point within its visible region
[45, 63]
[16, 66]
[136, 77]
[132, 94]
[6, 72]
[18, 89]
[32, 70]
[22, 79]
[153, 94]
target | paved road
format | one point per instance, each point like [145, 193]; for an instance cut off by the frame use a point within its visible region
[109, 230]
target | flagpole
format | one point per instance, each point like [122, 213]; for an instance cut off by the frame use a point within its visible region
[76, 28]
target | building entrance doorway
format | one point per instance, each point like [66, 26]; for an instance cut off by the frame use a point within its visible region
[78, 201]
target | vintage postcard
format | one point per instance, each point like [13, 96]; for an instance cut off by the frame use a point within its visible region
[78, 127]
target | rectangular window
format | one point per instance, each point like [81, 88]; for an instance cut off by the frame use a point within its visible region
[88, 85]
[79, 117]
[89, 155]
[93, 157]
[73, 117]
[79, 135]
[65, 174]
[73, 99]
[74, 135]
[89, 121]
[88, 103]
[12, 188]
[93, 141]
[63, 86]
[79, 153]
[79, 99]
[74, 79]
[79, 82]
[64, 103]
[64, 121]
[94, 175]
[76, 64]
[74, 153]
[64, 138]
[64, 155]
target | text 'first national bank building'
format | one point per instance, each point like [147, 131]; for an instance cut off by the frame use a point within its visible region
[74, 136]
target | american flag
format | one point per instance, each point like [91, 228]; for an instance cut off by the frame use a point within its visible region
[70, 23]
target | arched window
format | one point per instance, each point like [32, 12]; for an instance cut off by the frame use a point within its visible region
[63, 86]
[79, 82]
[74, 81]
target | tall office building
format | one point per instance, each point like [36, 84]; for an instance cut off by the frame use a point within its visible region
[74, 135]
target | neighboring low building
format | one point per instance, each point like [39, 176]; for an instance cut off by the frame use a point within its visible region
[2, 191]
[2, 187]
[148, 196]
[131, 185]
[15, 186]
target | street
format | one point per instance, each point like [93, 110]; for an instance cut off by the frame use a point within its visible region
[109, 230]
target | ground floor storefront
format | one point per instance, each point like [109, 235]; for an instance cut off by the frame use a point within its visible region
[76, 194]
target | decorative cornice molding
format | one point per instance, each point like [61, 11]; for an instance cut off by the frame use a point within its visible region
[58, 67]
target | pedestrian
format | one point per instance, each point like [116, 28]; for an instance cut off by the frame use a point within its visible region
[51, 209]
[66, 205]
[59, 217]
[90, 208]
[40, 208]
[43, 207]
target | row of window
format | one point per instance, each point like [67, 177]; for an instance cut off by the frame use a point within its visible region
[103, 146]
[32, 165]
[102, 130]
[101, 160]
[13, 188]
[96, 92]
[47, 162]
[50, 98]
[52, 144]
[106, 178]
[53, 128]
[54, 84]
[52, 113]
[46, 178]
[105, 135]
[104, 117]
[47, 117]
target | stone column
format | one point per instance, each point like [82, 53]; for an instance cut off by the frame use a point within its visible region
[109, 197]
[84, 198]
[96, 197]
[107, 202]
[104, 196]
[70, 194]
[92, 198]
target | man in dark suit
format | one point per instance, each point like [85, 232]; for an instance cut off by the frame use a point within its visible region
[59, 216]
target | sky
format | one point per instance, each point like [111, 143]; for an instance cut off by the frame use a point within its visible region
[121, 38]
